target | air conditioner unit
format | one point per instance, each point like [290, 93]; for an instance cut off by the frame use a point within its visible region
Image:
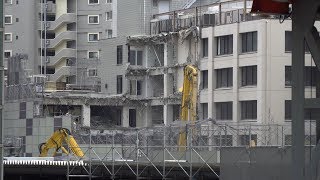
[48, 60]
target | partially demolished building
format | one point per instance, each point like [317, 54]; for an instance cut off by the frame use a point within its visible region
[121, 65]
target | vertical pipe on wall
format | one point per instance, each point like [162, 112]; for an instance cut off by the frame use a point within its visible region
[45, 37]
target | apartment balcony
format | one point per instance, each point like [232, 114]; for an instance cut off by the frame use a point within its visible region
[62, 20]
[64, 53]
[62, 72]
[51, 8]
[64, 36]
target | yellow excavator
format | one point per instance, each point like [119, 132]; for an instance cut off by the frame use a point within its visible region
[189, 101]
[56, 141]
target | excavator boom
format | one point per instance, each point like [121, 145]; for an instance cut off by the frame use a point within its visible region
[189, 101]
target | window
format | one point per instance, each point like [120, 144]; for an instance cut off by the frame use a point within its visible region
[93, 54]
[135, 87]
[287, 111]
[135, 57]
[109, 15]
[205, 47]
[249, 42]
[17, 1]
[224, 45]
[310, 76]
[92, 72]
[224, 110]
[8, 19]
[119, 84]
[7, 37]
[119, 54]
[132, 118]
[93, 1]
[288, 76]
[309, 114]
[93, 37]
[155, 3]
[23, 110]
[248, 110]
[204, 107]
[7, 53]
[249, 76]
[246, 140]
[288, 42]
[109, 33]
[93, 19]
[204, 79]
[8, 1]
[224, 77]
[222, 140]
[29, 127]
[17, 19]
[109, 1]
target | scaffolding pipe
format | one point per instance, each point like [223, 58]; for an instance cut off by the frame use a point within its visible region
[1, 89]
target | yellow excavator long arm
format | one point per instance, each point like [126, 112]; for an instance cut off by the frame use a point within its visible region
[56, 141]
[189, 100]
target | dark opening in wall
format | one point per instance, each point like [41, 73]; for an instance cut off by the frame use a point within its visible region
[105, 116]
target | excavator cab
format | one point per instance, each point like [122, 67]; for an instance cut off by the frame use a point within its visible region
[56, 141]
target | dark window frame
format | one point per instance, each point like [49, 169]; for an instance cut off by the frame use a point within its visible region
[119, 84]
[249, 110]
[204, 79]
[205, 47]
[224, 78]
[224, 110]
[224, 45]
[119, 54]
[310, 76]
[249, 76]
[249, 42]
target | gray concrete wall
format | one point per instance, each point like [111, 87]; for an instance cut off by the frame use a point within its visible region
[25, 37]
[263, 163]
[32, 129]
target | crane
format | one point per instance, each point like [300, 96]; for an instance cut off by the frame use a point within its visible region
[189, 101]
[56, 141]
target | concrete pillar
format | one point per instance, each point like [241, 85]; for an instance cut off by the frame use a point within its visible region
[125, 116]
[147, 116]
[86, 113]
[236, 74]
[262, 74]
[167, 114]
[211, 79]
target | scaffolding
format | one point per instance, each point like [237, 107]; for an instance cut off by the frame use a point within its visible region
[154, 152]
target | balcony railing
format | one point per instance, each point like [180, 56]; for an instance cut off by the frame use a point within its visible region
[205, 20]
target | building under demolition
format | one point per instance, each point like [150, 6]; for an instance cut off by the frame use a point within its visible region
[112, 76]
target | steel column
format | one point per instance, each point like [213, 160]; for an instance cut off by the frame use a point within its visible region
[298, 54]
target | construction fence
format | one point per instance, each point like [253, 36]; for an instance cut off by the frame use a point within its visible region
[137, 150]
